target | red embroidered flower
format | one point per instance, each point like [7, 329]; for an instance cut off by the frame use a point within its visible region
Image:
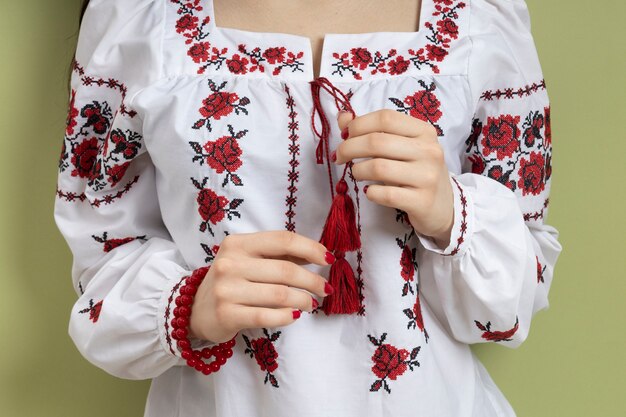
[448, 27]
[417, 313]
[548, 131]
[398, 65]
[111, 244]
[116, 172]
[501, 134]
[95, 118]
[274, 55]
[495, 335]
[127, 148]
[71, 116]
[265, 354]
[445, 2]
[533, 129]
[424, 105]
[361, 57]
[186, 22]
[93, 310]
[478, 164]
[497, 174]
[435, 52]
[218, 104]
[223, 154]
[531, 174]
[199, 52]
[237, 64]
[211, 206]
[389, 361]
[84, 158]
[406, 262]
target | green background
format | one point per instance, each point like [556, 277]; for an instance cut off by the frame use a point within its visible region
[569, 366]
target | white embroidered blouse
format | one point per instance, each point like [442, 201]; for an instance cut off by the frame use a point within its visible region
[181, 132]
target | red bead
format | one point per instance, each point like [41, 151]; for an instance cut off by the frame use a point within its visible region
[186, 354]
[228, 353]
[221, 360]
[183, 322]
[197, 354]
[176, 311]
[231, 343]
[174, 323]
[215, 350]
[206, 370]
[179, 300]
[175, 335]
[191, 290]
[191, 362]
[181, 333]
[206, 353]
[214, 366]
[184, 344]
[199, 366]
[184, 311]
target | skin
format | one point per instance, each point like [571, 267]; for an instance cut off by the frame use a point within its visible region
[258, 279]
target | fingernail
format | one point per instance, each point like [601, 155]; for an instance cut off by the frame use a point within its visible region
[365, 188]
[329, 257]
[315, 303]
[296, 314]
[328, 289]
[344, 133]
[333, 156]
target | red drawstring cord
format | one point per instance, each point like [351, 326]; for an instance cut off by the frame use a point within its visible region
[340, 233]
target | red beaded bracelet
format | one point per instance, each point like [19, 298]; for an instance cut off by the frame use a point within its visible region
[180, 323]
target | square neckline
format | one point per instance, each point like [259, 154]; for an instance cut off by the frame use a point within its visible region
[329, 40]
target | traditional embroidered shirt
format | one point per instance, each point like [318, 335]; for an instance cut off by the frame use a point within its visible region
[181, 132]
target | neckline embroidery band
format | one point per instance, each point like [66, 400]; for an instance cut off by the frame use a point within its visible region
[374, 55]
[345, 56]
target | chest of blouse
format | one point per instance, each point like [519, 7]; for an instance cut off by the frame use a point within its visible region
[231, 115]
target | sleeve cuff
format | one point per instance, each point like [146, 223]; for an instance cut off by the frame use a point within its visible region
[462, 227]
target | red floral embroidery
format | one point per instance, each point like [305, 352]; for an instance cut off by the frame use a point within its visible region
[540, 270]
[512, 93]
[201, 51]
[501, 135]
[423, 105]
[415, 316]
[71, 116]
[264, 351]
[390, 362]
[532, 174]
[110, 244]
[93, 310]
[408, 263]
[219, 104]
[222, 155]
[494, 335]
[213, 207]
[357, 61]
[533, 127]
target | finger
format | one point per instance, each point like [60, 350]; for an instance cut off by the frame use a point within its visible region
[246, 317]
[343, 118]
[377, 145]
[398, 197]
[271, 295]
[391, 121]
[276, 243]
[275, 271]
[388, 171]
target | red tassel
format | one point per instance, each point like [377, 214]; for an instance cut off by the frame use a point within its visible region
[340, 231]
[345, 298]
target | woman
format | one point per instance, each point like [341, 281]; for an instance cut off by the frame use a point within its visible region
[253, 256]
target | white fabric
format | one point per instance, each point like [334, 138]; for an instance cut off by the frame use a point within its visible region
[131, 58]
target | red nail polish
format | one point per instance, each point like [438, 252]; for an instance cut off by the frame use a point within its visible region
[333, 156]
[328, 289]
[315, 303]
[365, 188]
[329, 257]
[344, 133]
[296, 314]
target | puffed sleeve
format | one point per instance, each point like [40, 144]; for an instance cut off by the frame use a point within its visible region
[496, 272]
[126, 269]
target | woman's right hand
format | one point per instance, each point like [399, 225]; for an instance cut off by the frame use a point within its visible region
[256, 280]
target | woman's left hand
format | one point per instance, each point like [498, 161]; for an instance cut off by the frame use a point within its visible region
[403, 154]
